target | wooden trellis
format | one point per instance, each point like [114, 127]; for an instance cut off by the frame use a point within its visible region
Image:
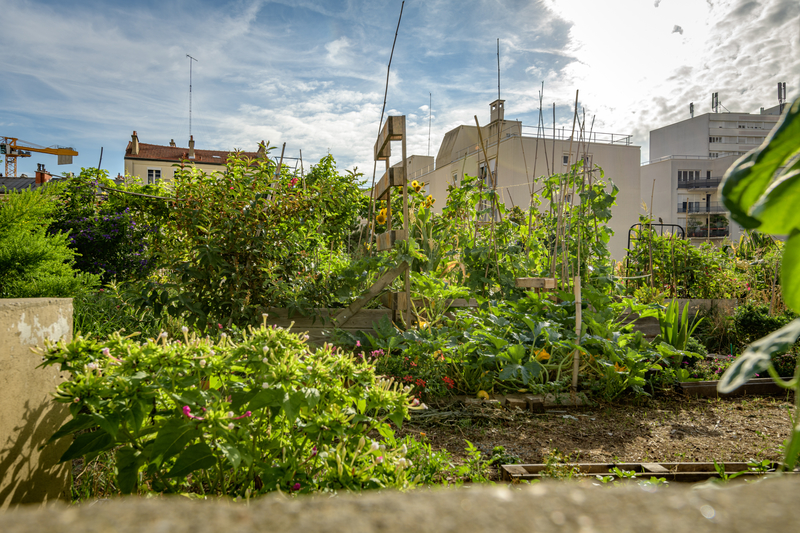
[393, 130]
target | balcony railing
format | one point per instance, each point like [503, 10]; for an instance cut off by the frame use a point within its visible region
[701, 207]
[702, 183]
[703, 233]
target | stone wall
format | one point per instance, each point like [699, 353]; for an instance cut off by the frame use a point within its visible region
[28, 415]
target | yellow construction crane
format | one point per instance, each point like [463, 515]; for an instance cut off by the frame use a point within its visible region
[12, 149]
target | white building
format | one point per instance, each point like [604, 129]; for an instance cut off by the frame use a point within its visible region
[687, 162]
[460, 153]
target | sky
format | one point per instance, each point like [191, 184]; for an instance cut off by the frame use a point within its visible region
[312, 74]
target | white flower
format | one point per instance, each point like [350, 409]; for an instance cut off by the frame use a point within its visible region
[375, 446]
[306, 337]
[163, 334]
[309, 368]
[185, 329]
[230, 414]
[266, 349]
[265, 361]
[323, 455]
[265, 385]
[231, 426]
[202, 362]
[382, 447]
[92, 366]
[223, 334]
[106, 352]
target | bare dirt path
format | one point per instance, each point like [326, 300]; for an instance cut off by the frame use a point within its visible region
[667, 429]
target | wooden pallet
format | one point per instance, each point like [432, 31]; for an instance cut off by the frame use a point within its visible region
[684, 472]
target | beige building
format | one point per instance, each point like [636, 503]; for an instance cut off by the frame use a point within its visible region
[687, 162]
[519, 167]
[153, 162]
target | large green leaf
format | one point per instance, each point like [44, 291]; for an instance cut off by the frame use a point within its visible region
[777, 208]
[128, 462]
[171, 440]
[757, 357]
[76, 424]
[87, 443]
[271, 397]
[790, 272]
[195, 457]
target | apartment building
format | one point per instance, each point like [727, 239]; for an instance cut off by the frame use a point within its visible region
[687, 162]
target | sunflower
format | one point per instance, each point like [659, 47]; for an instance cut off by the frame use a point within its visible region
[417, 186]
[381, 218]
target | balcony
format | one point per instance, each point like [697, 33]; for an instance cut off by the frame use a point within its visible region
[703, 233]
[703, 183]
[697, 208]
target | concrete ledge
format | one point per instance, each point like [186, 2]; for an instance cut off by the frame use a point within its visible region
[28, 416]
[770, 505]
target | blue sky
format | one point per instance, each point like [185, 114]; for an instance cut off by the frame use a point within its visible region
[312, 73]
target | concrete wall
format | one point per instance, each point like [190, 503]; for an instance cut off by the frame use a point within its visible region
[29, 415]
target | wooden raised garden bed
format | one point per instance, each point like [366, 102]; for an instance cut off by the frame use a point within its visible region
[687, 472]
[754, 387]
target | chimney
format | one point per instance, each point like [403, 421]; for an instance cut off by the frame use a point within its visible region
[191, 147]
[134, 144]
[497, 110]
[42, 175]
[262, 149]
[172, 143]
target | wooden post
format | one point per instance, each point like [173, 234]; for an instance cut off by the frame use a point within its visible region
[576, 361]
[407, 283]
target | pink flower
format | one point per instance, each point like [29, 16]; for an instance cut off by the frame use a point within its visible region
[248, 413]
[293, 182]
[358, 344]
[296, 486]
[188, 412]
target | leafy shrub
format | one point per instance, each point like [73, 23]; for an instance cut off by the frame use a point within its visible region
[236, 419]
[33, 262]
[111, 233]
[753, 322]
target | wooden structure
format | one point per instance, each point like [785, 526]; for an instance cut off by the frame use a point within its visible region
[689, 472]
[393, 179]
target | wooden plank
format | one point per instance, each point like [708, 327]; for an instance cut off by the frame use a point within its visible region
[386, 240]
[683, 472]
[383, 282]
[535, 283]
[394, 300]
[654, 468]
[394, 177]
[392, 131]
[321, 318]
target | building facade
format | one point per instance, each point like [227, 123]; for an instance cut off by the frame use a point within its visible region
[524, 155]
[687, 162]
[153, 163]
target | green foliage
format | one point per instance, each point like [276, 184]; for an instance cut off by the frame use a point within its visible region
[674, 325]
[234, 419]
[244, 240]
[761, 190]
[753, 322]
[33, 262]
[111, 231]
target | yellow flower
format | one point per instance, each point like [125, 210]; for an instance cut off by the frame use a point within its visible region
[430, 199]
[415, 184]
[542, 355]
[382, 211]
[381, 218]
[483, 394]
[620, 368]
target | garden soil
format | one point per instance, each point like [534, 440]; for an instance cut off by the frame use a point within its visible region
[666, 429]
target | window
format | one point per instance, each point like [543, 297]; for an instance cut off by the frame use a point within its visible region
[688, 175]
[565, 159]
[713, 154]
[153, 175]
[455, 179]
[715, 139]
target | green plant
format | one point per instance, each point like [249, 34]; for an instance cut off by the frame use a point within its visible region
[33, 262]
[558, 466]
[759, 191]
[234, 419]
[474, 467]
[674, 325]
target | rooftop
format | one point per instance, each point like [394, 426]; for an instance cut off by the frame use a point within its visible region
[156, 152]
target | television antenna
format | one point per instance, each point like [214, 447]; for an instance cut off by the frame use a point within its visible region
[190, 93]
